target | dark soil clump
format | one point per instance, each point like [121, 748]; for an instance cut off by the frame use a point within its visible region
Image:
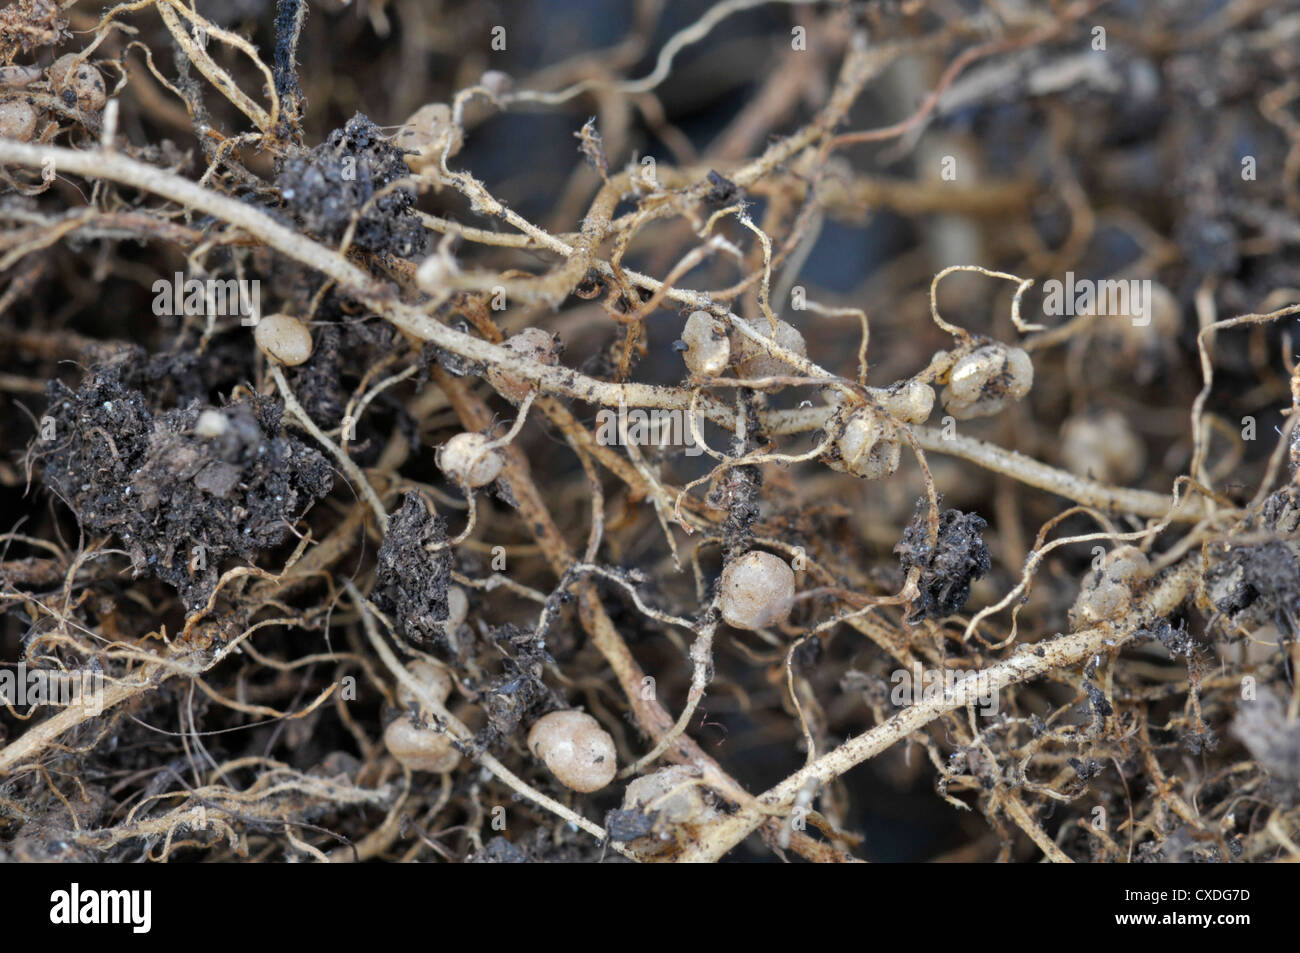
[181, 504]
[948, 568]
[339, 180]
[410, 581]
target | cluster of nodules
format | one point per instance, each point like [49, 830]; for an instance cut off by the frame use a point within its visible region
[978, 382]
[572, 744]
[415, 737]
[709, 350]
[77, 83]
[577, 751]
[867, 440]
[474, 460]
[757, 590]
[470, 460]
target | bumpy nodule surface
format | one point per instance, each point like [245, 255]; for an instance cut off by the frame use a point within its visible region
[80, 84]
[752, 360]
[757, 591]
[869, 445]
[910, 403]
[1108, 592]
[985, 381]
[575, 749]
[708, 349]
[420, 747]
[466, 460]
[17, 120]
[663, 811]
[434, 678]
[533, 344]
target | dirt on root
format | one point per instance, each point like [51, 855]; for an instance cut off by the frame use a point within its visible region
[183, 505]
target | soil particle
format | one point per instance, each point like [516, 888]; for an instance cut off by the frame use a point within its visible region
[1254, 585]
[739, 492]
[626, 826]
[722, 191]
[500, 851]
[318, 384]
[181, 504]
[339, 179]
[518, 692]
[948, 568]
[1177, 640]
[410, 581]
